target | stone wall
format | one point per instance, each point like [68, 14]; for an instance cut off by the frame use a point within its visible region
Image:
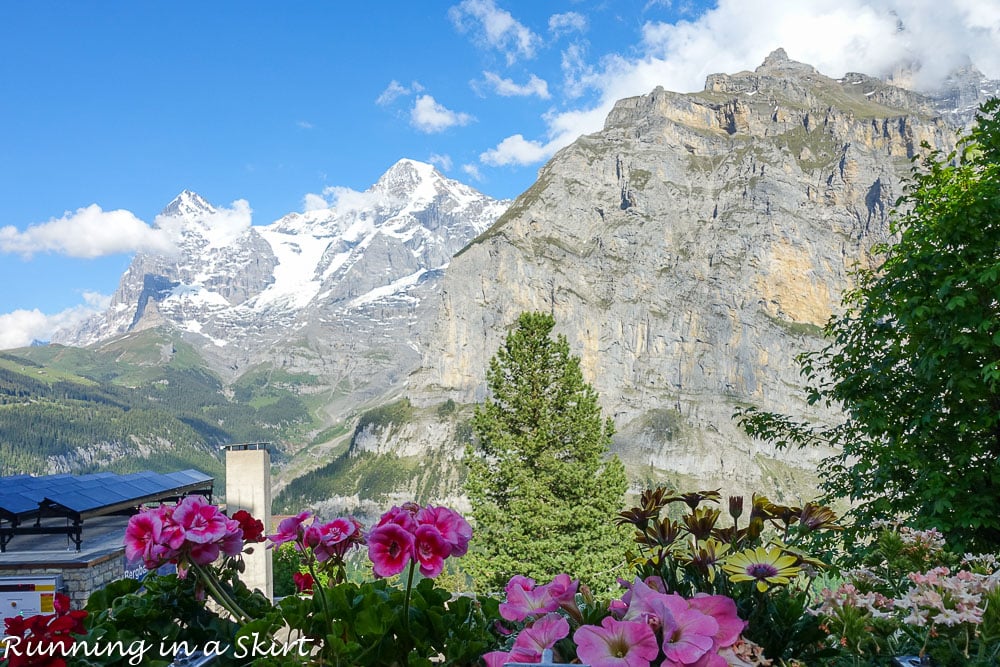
[80, 579]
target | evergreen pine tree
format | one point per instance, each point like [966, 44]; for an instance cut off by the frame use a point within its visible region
[543, 489]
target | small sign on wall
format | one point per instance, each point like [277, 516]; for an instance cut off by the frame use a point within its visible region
[28, 596]
[136, 569]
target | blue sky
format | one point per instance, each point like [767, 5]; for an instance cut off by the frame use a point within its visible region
[110, 109]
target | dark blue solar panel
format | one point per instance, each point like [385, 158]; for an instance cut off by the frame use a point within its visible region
[16, 503]
[21, 494]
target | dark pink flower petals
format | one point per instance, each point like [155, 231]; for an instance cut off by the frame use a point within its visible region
[390, 548]
[430, 548]
[451, 525]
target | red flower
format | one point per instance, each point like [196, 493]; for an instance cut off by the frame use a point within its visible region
[45, 639]
[303, 582]
[253, 529]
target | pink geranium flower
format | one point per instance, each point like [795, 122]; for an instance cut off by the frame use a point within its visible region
[203, 554]
[232, 542]
[401, 516]
[540, 635]
[430, 548]
[451, 524]
[390, 547]
[290, 529]
[172, 536]
[335, 538]
[201, 522]
[616, 644]
[141, 535]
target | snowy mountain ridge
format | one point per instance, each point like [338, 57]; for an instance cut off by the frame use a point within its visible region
[247, 291]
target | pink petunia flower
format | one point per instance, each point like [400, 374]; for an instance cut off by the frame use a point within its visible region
[563, 590]
[723, 610]
[390, 548]
[498, 658]
[692, 629]
[616, 644]
[688, 634]
[525, 599]
[540, 635]
[430, 548]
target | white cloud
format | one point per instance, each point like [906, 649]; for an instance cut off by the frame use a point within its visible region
[344, 200]
[88, 232]
[314, 202]
[507, 87]
[429, 116]
[395, 90]
[442, 162]
[21, 327]
[835, 36]
[472, 171]
[305, 125]
[496, 28]
[561, 24]
[516, 150]
[219, 226]
[578, 74]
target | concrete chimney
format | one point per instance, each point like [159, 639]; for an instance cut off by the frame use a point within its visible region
[248, 487]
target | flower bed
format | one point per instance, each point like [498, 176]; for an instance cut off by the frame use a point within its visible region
[767, 588]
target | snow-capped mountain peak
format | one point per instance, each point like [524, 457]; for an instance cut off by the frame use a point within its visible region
[240, 289]
[187, 204]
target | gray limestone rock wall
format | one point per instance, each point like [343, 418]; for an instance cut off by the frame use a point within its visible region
[688, 252]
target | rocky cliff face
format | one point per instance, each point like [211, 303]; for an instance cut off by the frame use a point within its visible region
[688, 252]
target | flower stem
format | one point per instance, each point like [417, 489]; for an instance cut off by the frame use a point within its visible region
[406, 608]
[219, 593]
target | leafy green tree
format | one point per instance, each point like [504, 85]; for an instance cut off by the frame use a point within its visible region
[914, 360]
[543, 489]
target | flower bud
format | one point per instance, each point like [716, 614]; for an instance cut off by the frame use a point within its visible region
[736, 506]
